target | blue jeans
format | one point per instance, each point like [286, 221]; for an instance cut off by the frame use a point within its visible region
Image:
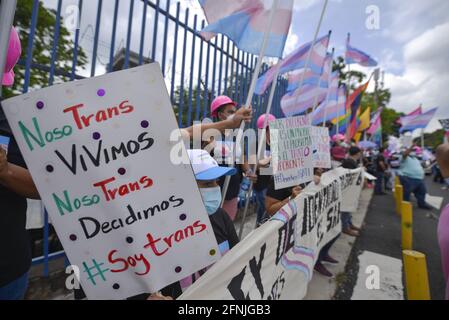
[15, 290]
[260, 199]
[379, 182]
[346, 220]
[415, 186]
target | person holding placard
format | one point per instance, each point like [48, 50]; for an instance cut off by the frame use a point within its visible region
[207, 173]
[223, 108]
[263, 179]
[16, 185]
[351, 162]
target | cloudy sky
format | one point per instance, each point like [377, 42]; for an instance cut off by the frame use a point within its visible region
[411, 43]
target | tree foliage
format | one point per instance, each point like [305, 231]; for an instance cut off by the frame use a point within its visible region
[42, 51]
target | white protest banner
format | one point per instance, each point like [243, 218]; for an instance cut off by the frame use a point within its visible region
[99, 153]
[351, 187]
[321, 146]
[276, 260]
[291, 151]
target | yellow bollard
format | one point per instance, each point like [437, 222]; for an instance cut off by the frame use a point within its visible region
[407, 225]
[399, 198]
[397, 182]
[416, 277]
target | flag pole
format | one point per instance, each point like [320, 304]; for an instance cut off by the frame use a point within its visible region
[270, 102]
[328, 89]
[306, 65]
[7, 11]
[261, 145]
[252, 89]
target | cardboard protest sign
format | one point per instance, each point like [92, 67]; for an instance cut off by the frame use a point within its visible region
[291, 151]
[99, 153]
[276, 261]
[321, 146]
[445, 124]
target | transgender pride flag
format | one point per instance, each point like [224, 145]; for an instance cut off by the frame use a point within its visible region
[245, 23]
[302, 99]
[333, 108]
[294, 79]
[354, 55]
[419, 122]
[410, 116]
[297, 60]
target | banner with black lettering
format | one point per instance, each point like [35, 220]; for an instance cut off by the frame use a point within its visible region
[276, 260]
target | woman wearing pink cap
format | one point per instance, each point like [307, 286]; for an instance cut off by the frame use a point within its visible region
[221, 109]
[263, 178]
[16, 185]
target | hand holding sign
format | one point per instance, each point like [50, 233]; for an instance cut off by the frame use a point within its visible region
[99, 152]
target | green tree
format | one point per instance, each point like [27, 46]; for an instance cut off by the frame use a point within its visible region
[43, 42]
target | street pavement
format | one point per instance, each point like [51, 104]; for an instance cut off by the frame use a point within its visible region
[382, 235]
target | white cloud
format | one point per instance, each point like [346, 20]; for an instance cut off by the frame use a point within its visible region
[426, 75]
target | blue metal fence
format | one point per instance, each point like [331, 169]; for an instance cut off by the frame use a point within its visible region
[214, 68]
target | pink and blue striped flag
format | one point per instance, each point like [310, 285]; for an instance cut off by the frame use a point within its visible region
[300, 100]
[354, 55]
[419, 122]
[376, 123]
[294, 79]
[333, 108]
[403, 120]
[245, 23]
[297, 60]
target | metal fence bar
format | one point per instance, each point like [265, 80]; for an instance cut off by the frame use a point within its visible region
[156, 16]
[192, 65]
[54, 50]
[29, 51]
[96, 37]
[114, 31]
[175, 51]
[76, 43]
[128, 37]
[164, 46]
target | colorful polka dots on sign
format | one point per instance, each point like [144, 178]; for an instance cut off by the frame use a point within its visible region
[96, 136]
[121, 171]
[144, 124]
[40, 105]
[101, 92]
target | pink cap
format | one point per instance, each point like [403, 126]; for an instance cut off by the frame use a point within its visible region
[339, 136]
[261, 120]
[14, 52]
[219, 102]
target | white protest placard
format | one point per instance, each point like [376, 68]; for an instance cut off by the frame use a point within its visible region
[351, 187]
[292, 155]
[321, 146]
[99, 152]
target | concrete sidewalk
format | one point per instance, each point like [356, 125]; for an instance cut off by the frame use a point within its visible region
[323, 288]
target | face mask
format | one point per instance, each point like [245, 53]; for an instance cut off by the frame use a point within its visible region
[211, 198]
[413, 154]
